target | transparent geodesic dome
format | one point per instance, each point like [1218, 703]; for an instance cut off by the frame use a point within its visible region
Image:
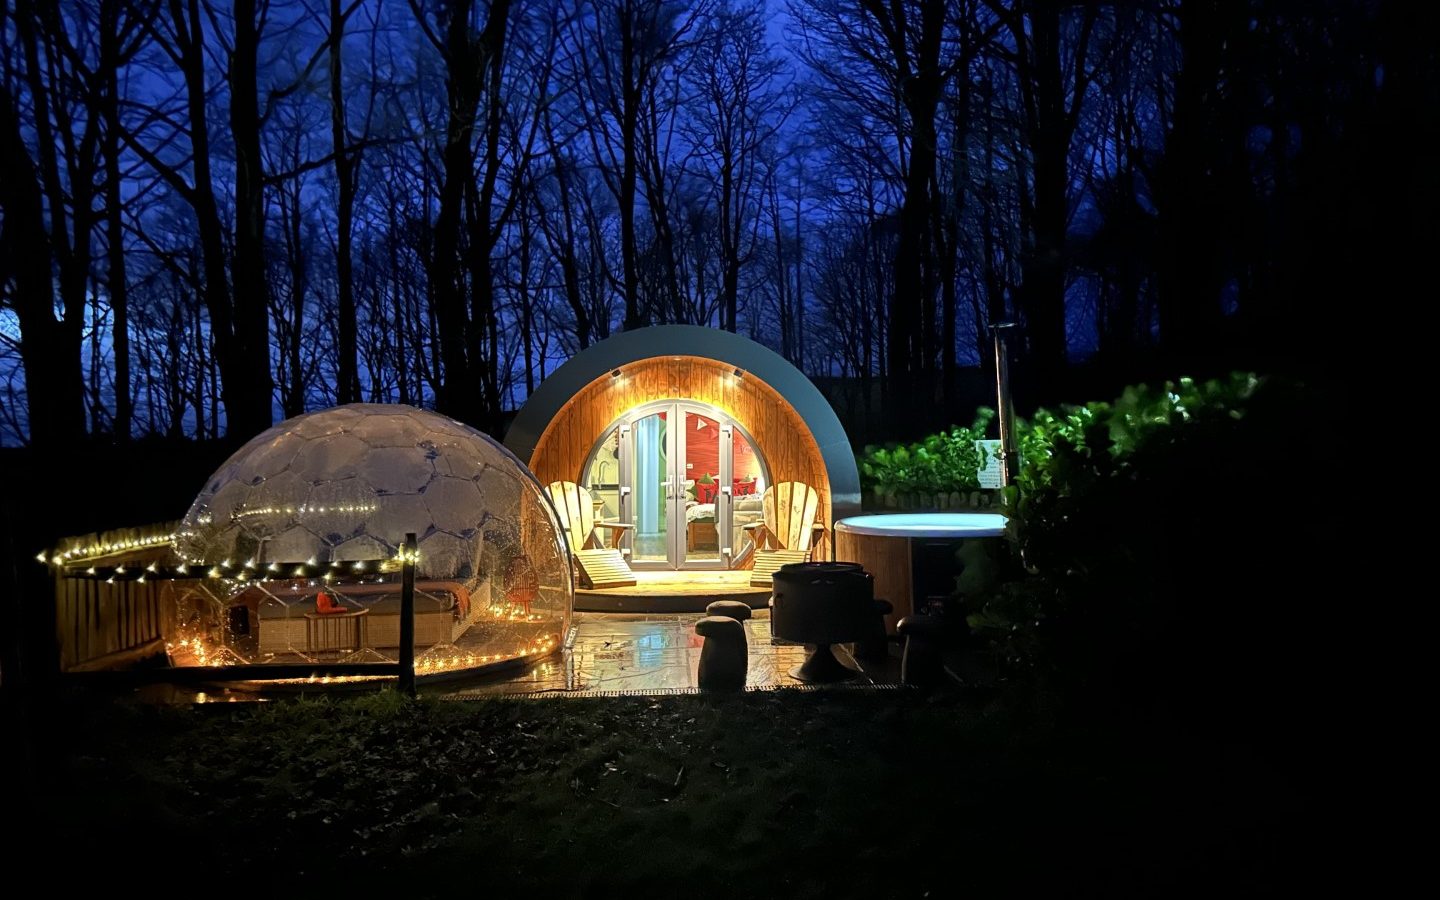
[299, 534]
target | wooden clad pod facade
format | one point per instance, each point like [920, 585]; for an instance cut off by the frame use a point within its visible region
[783, 438]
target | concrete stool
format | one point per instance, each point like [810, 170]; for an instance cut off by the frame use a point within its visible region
[923, 664]
[725, 658]
[730, 609]
[878, 645]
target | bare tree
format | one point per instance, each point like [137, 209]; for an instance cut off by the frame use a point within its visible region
[347, 168]
[493, 112]
[234, 319]
[625, 48]
[1051, 51]
[740, 108]
[895, 51]
[559, 211]
[248, 412]
[468, 56]
[50, 203]
[121, 38]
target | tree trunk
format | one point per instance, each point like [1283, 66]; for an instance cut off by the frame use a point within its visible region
[918, 71]
[1043, 291]
[1189, 184]
[55, 386]
[458, 394]
[224, 352]
[248, 403]
[398, 309]
[799, 292]
[116, 273]
[346, 163]
[50, 349]
[479, 335]
[202, 366]
[629, 168]
[293, 390]
[731, 224]
[562, 240]
[493, 49]
[657, 202]
[1043, 296]
[527, 299]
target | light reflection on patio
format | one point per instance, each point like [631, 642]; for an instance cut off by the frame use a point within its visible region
[604, 654]
[641, 653]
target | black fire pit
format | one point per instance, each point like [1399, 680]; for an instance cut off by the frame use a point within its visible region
[820, 604]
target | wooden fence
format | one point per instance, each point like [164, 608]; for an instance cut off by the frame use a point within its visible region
[109, 624]
[101, 625]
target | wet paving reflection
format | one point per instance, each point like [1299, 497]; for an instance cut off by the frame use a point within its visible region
[641, 653]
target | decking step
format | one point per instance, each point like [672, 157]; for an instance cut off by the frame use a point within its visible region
[604, 568]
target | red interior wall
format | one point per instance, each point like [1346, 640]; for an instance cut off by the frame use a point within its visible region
[702, 448]
[703, 453]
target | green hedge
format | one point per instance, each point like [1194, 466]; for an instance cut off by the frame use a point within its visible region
[943, 463]
[1159, 543]
[1168, 548]
[1052, 445]
[950, 461]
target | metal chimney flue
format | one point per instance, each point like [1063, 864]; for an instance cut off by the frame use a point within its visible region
[1009, 453]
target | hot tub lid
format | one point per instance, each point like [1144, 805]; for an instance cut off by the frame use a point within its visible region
[926, 525]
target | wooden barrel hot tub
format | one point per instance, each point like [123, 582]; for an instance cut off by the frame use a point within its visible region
[895, 549]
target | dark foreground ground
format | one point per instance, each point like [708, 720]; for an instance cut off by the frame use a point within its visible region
[783, 794]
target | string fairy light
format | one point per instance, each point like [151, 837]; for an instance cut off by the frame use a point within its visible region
[100, 548]
[278, 570]
[218, 646]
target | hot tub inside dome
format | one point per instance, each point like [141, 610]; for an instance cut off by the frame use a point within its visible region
[300, 532]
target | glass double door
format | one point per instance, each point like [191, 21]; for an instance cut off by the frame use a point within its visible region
[685, 477]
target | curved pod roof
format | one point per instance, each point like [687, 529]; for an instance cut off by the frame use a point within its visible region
[629, 347]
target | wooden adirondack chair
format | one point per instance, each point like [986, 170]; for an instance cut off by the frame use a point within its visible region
[600, 566]
[789, 531]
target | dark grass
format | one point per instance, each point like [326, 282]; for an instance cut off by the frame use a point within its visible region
[773, 794]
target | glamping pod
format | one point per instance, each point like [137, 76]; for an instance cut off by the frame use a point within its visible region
[682, 440]
[299, 533]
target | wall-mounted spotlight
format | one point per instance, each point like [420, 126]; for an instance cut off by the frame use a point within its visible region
[614, 373]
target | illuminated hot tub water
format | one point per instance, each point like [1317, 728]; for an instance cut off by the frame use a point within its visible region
[936, 525]
[913, 556]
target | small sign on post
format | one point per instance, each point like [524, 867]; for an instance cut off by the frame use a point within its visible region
[991, 474]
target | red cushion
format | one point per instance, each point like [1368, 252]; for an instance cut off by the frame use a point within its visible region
[325, 604]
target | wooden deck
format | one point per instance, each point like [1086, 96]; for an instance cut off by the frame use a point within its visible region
[674, 592]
